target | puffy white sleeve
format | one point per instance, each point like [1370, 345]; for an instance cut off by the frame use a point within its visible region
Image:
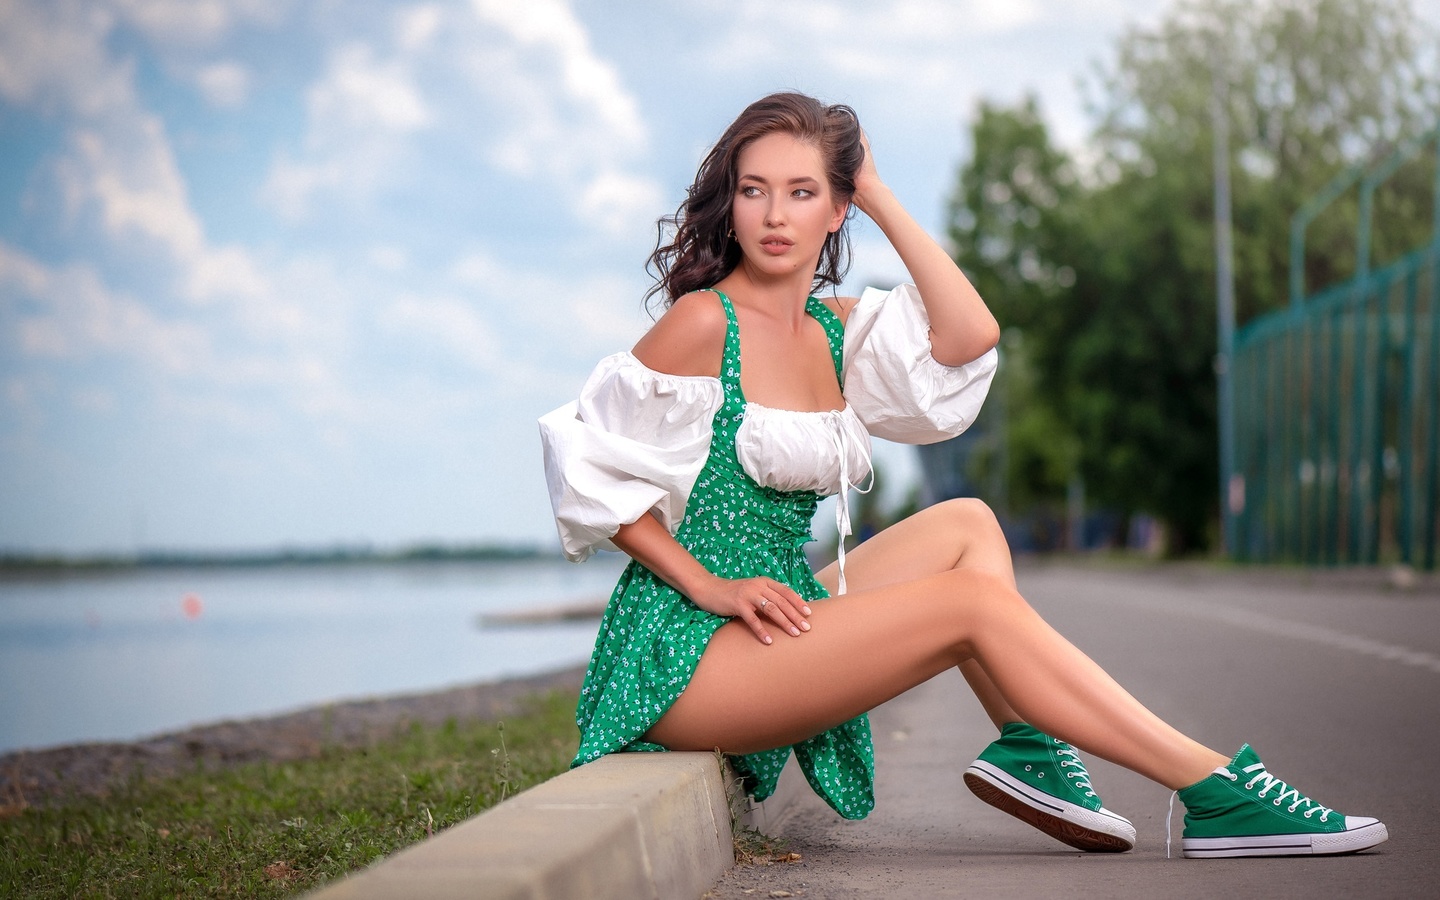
[896, 387]
[635, 441]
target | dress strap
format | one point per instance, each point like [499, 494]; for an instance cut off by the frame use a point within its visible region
[834, 333]
[730, 360]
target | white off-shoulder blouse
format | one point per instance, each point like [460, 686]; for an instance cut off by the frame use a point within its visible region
[636, 439]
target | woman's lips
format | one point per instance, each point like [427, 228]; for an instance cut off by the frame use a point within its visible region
[775, 245]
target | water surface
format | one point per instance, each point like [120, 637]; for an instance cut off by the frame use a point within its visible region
[126, 654]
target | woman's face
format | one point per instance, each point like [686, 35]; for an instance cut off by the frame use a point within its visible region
[783, 210]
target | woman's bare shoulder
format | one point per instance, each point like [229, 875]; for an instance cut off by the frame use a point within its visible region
[689, 339]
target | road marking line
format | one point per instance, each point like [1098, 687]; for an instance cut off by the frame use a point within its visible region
[1319, 634]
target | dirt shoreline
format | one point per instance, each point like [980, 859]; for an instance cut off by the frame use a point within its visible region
[37, 778]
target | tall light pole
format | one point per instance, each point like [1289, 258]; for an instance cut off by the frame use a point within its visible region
[1232, 490]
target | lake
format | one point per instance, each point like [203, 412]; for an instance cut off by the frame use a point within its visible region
[118, 655]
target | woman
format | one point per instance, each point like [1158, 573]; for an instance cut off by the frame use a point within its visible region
[702, 453]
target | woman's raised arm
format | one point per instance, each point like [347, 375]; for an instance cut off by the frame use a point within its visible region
[961, 326]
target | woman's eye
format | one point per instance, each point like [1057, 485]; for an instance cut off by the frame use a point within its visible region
[803, 193]
[750, 191]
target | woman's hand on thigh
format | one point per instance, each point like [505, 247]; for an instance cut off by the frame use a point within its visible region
[755, 600]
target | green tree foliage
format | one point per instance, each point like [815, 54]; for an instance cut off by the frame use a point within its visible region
[1011, 217]
[1012, 222]
[1109, 270]
[1312, 87]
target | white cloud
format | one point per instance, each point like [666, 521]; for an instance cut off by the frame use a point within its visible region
[565, 112]
[128, 171]
[195, 21]
[52, 57]
[73, 315]
[585, 78]
[878, 39]
[117, 161]
[224, 84]
[95, 399]
[619, 203]
[360, 113]
[291, 187]
[18, 393]
[521, 84]
[200, 367]
[389, 258]
[230, 271]
[125, 167]
[117, 178]
[418, 25]
[448, 322]
[361, 93]
[549, 321]
[914, 63]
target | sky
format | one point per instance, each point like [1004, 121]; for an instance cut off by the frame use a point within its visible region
[281, 273]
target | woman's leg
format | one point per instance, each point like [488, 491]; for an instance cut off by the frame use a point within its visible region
[866, 647]
[955, 534]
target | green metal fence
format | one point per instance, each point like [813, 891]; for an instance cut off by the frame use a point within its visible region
[1337, 410]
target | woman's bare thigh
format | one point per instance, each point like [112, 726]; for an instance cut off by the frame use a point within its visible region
[863, 649]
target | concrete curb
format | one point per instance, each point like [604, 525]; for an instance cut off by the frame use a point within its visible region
[627, 825]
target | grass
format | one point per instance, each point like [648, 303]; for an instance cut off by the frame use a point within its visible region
[277, 829]
[753, 847]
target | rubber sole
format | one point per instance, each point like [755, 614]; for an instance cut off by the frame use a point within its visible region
[1083, 829]
[1327, 844]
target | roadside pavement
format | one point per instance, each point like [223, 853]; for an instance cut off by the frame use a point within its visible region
[1333, 676]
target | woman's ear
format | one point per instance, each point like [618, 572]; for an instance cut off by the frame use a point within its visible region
[839, 218]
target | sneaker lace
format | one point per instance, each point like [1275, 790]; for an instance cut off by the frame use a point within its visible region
[1080, 774]
[1169, 816]
[1258, 774]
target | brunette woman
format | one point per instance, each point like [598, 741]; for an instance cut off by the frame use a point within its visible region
[702, 454]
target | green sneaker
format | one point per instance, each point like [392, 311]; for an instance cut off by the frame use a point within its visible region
[1041, 780]
[1243, 810]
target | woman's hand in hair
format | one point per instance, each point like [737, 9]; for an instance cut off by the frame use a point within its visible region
[867, 181]
[961, 327]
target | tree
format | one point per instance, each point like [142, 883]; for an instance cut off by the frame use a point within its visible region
[1313, 87]
[1010, 224]
[1010, 214]
[1113, 284]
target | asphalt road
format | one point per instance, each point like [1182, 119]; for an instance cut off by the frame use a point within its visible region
[1334, 677]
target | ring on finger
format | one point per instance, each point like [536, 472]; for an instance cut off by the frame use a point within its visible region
[763, 602]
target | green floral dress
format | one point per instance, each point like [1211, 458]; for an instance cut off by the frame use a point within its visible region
[651, 636]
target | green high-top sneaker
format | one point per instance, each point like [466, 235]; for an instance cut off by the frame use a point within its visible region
[1243, 810]
[1041, 780]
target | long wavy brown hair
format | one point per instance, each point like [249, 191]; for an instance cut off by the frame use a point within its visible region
[701, 251]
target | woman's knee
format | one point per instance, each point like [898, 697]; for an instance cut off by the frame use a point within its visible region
[969, 603]
[973, 523]
[975, 594]
[970, 514]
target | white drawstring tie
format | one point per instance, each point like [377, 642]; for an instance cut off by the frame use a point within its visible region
[839, 434]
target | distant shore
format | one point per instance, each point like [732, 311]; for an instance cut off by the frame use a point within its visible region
[53, 775]
[23, 563]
